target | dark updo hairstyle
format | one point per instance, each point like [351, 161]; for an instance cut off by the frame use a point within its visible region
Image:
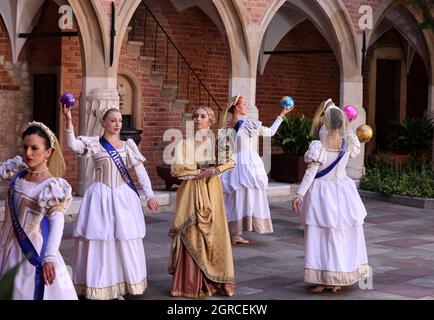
[39, 132]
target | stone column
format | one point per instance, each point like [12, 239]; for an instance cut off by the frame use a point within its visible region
[352, 93]
[247, 88]
[96, 99]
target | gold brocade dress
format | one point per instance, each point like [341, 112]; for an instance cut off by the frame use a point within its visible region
[201, 253]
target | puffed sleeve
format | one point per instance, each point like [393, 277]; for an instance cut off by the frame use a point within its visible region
[83, 145]
[316, 153]
[11, 167]
[56, 196]
[134, 157]
[271, 131]
[252, 127]
[353, 144]
[315, 156]
[184, 163]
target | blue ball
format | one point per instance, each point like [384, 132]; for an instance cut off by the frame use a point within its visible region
[286, 102]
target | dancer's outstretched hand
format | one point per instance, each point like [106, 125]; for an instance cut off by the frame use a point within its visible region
[285, 111]
[153, 204]
[66, 111]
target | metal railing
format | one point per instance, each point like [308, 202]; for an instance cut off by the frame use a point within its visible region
[192, 77]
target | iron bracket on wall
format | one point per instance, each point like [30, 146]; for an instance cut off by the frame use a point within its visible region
[112, 34]
[363, 51]
[48, 34]
[291, 52]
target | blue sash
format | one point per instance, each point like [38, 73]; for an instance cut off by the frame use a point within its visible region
[117, 159]
[238, 125]
[24, 242]
[322, 173]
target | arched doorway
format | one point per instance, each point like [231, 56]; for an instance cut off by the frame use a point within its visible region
[298, 58]
[396, 75]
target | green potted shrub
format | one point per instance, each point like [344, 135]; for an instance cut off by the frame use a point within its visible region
[294, 139]
[412, 136]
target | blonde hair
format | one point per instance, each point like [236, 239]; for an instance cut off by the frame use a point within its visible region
[208, 111]
[317, 120]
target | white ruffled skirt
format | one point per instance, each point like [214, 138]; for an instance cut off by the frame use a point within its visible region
[109, 257]
[105, 270]
[335, 250]
[245, 195]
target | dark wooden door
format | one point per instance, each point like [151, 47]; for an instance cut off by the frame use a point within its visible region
[387, 104]
[45, 108]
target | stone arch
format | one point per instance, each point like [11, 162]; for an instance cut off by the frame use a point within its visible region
[126, 12]
[385, 7]
[137, 94]
[92, 21]
[345, 38]
[235, 20]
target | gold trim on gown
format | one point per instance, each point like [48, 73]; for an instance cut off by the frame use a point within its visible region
[201, 253]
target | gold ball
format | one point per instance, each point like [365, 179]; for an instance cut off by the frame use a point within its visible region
[364, 133]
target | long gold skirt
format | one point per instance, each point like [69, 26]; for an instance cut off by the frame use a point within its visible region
[201, 253]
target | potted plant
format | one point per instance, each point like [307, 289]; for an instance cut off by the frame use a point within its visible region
[410, 138]
[413, 136]
[294, 139]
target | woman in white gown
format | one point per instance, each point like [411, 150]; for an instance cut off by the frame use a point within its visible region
[245, 187]
[37, 200]
[331, 210]
[109, 257]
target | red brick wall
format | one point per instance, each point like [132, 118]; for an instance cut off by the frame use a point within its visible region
[72, 81]
[309, 78]
[5, 51]
[107, 5]
[353, 7]
[56, 52]
[256, 8]
[202, 45]
[45, 51]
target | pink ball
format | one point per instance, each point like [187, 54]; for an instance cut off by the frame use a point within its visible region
[351, 112]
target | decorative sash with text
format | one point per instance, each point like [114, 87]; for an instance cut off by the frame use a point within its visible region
[24, 242]
[117, 159]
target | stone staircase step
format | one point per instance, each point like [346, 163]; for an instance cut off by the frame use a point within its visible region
[179, 105]
[145, 63]
[157, 77]
[168, 91]
[134, 48]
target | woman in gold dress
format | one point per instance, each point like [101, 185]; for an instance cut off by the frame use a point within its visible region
[201, 254]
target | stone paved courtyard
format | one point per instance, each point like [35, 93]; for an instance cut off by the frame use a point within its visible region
[400, 243]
